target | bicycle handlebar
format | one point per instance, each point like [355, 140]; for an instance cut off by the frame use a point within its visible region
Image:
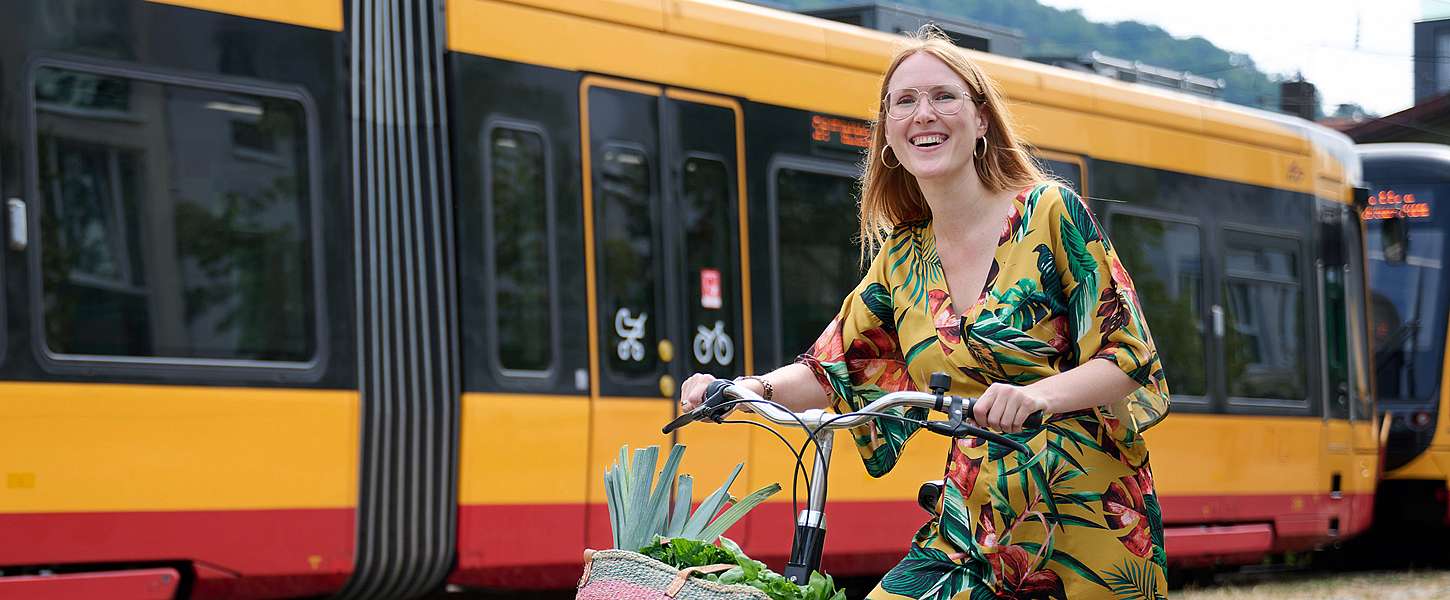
[721, 394]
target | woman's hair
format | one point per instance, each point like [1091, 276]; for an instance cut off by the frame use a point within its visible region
[890, 197]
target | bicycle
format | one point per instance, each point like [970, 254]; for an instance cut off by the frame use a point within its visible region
[723, 395]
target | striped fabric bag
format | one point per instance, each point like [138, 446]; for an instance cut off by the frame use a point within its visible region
[615, 574]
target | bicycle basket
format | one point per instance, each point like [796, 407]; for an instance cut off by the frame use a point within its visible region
[611, 574]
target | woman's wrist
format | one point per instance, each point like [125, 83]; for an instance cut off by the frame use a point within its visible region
[758, 384]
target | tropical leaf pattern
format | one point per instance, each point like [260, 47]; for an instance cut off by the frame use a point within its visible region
[1088, 523]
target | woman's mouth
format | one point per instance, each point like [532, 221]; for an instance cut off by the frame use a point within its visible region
[927, 141]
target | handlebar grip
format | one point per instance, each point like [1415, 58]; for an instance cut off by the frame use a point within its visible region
[715, 393]
[1033, 420]
[714, 397]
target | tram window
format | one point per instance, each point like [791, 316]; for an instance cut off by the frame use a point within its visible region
[1407, 319]
[819, 262]
[1264, 353]
[1071, 173]
[709, 259]
[1166, 261]
[627, 259]
[522, 295]
[175, 220]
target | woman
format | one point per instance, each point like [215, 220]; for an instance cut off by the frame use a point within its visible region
[988, 271]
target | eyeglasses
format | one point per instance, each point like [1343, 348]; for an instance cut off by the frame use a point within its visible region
[946, 99]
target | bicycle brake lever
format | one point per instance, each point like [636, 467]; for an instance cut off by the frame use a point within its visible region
[707, 410]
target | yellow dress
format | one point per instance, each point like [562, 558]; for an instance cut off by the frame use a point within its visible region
[1056, 296]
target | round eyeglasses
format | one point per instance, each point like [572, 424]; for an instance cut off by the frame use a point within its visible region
[946, 99]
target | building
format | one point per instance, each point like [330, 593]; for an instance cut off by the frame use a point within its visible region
[1432, 51]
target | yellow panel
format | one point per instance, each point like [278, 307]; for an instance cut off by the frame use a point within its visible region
[1433, 463]
[321, 14]
[649, 14]
[1236, 123]
[1073, 93]
[510, 32]
[729, 21]
[143, 448]
[1192, 455]
[618, 421]
[518, 449]
[1196, 454]
[1122, 123]
[856, 48]
[712, 451]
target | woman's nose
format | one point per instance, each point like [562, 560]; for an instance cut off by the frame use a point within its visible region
[925, 113]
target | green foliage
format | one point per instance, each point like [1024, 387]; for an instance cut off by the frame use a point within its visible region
[682, 552]
[1062, 33]
[639, 511]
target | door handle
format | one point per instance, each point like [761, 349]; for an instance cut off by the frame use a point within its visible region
[17, 233]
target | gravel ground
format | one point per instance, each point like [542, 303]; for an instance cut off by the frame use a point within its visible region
[1378, 585]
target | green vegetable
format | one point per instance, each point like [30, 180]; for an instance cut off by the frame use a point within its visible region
[639, 510]
[681, 553]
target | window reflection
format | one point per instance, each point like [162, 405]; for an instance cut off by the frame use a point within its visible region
[521, 259]
[1264, 351]
[1166, 262]
[1407, 320]
[710, 272]
[164, 234]
[818, 225]
[627, 281]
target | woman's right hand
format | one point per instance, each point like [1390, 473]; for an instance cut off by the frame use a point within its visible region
[692, 392]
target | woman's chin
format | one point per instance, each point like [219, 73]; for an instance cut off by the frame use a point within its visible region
[933, 169]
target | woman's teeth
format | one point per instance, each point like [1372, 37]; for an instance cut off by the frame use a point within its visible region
[928, 140]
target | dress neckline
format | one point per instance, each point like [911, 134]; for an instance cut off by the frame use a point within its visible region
[974, 310]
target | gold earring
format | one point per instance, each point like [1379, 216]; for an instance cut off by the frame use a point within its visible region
[883, 159]
[983, 140]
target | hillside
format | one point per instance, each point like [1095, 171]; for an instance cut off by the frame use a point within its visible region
[1055, 32]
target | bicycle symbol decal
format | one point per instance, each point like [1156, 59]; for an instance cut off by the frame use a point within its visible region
[713, 345]
[630, 329]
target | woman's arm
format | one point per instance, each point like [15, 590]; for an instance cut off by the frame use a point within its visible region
[793, 385]
[1095, 383]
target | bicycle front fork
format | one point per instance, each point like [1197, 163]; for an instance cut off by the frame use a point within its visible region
[810, 528]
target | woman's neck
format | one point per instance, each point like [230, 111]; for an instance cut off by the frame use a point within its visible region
[961, 203]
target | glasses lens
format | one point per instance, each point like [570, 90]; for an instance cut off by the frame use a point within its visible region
[901, 103]
[947, 99]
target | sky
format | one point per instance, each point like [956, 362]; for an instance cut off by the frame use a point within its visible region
[1356, 51]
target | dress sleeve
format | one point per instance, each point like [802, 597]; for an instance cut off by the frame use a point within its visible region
[1105, 318]
[857, 359]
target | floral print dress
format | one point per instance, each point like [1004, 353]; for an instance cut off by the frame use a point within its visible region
[1056, 297]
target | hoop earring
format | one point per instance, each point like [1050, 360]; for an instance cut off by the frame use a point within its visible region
[883, 159]
[976, 154]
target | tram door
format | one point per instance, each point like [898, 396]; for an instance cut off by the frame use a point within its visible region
[667, 298]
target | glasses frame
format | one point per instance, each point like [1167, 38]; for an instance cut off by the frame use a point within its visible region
[886, 100]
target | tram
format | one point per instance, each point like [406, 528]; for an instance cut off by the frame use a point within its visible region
[361, 296]
[1408, 308]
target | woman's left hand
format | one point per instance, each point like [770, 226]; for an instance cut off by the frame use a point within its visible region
[1004, 407]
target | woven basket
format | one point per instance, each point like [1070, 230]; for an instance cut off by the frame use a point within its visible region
[614, 574]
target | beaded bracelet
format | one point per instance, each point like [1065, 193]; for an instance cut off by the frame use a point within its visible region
[769, 389]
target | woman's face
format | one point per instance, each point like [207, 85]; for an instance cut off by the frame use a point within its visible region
[929, 144]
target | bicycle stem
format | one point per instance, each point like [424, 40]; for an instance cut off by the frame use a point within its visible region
[810, 527]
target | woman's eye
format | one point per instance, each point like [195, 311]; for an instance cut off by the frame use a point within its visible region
[946, 96]
[906, 100]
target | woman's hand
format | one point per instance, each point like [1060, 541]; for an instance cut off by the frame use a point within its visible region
[1004, 407]
[692, 391]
